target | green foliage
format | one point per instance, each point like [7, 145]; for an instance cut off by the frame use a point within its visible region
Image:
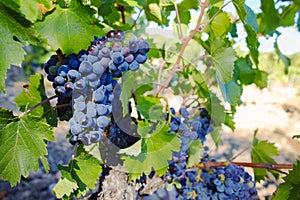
[156, 149]
[223, 58]
[79, 176]
[22, 145]
[12, 52]
[209, 65]
[262, 152]
[67, 30]
[290, 189]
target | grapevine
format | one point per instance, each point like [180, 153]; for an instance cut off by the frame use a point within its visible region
[142, 112]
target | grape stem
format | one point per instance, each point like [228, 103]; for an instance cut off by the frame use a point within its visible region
[268, 166]
[60, 56]
[37, 105]
[184, 45]
[186, 41]
[178, 19]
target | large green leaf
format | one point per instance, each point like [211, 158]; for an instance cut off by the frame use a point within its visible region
[223, 58]
[11, 52]
[262, 152]
[22, 145]
[31, 9]
[155, 152]
[66, 29]
[79, 176]
[195, 153]
[251, 18]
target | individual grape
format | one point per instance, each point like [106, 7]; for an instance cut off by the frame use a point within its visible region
[80, 84]
[59, 80]
[74, 63]
[110, 35]
[90, 58]
[130, 58]
[117, 58]
[96, 136]
[86, 122]
[98, 96]
[60, 90]
[94, 84]
[105, 61]
[53, 70]
[98, 68]
[102, 121]
[73, 139]
[112, 66]
[78, 97]
[85, 67]
[93, 50]
[144, 47]
[134, 66]
[125, 51]
[119, 35]
[69, 86]
[91, 109]
[76, 129]
[84, 139]
[101, 109]
[116, 46]
[123, 67]
[73, 75]
[79, 106]
[105, 52]
[133, 47]
[140, 58]
[50, 77]
[63, 70]
[92, 77]
[101, 42]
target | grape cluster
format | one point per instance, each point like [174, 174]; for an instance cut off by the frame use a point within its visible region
[93, 94]
[230, 182]
[199, 127]
[63, 75]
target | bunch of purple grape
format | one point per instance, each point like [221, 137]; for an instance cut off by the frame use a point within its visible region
[107, 59]
[63, 75]
[199, 127]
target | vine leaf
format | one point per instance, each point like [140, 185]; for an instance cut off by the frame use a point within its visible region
[231, 92]
[223, 58]
[240, 8]
[262, 152]
[156, 150]
[220, 25]
[290, 189]
[64, 26]
[32, 9]
[195, 153]
[22, 145]
[243, 71]
[11, 52]
[79, 176]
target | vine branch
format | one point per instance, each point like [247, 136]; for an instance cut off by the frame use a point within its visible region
[184, 45]
[38, 104]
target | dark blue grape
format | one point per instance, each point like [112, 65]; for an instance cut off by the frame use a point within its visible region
[140, 58]
[144, 47]
[63, 70]
[74, 63]
[134, 66]
[117, 58]
[59, 80]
